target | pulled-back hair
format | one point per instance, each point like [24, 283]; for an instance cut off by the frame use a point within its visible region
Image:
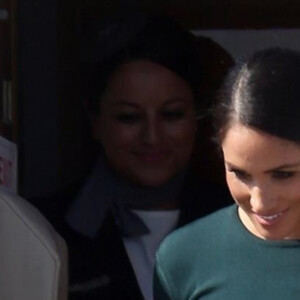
[130, 38]
[264, 93]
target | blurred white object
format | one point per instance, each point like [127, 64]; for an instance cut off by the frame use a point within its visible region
[33, 257]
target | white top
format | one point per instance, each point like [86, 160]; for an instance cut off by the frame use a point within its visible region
[141, 250]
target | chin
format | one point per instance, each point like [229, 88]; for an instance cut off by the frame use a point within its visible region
[152, 181]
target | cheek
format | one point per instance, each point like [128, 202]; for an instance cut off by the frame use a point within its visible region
[239, 191]
[117, 143]
[115, 135]
[290, 192]
[184, 132]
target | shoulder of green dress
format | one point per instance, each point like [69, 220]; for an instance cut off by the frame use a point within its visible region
[189, 251]
[186, 238]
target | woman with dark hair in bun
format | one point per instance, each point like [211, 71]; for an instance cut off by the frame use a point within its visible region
[142, 77]
[249, 250]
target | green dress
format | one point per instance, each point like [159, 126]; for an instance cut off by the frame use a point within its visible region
[217, 258]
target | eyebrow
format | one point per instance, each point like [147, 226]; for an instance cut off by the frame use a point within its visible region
[125, 103]
[284, 166]
[174, 100]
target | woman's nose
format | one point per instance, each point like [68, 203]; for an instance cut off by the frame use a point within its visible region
[262, 199]
[152, 132]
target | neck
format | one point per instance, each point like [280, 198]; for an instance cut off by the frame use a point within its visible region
[165, 197]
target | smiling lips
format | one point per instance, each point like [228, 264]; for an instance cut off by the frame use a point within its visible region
[269, 219]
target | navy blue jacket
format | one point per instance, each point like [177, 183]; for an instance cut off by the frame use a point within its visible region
[100, 268]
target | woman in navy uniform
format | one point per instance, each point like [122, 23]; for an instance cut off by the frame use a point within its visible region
[142, 78]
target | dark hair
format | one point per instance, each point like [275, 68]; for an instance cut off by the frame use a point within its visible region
[155, 38]
[264, 93]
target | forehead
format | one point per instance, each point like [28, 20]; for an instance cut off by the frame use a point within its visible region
[250, 148]
[146, 82]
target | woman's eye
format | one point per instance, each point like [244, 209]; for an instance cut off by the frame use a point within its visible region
[282, 174]
[240, 174]
[128, 118]
[173, 115]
